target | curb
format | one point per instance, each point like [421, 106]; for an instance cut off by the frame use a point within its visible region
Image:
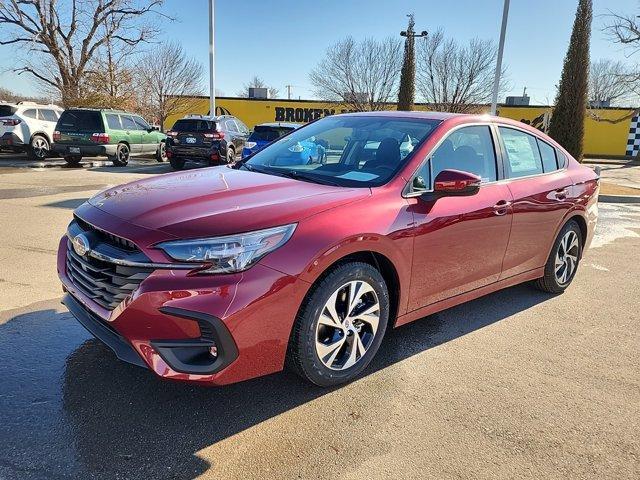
[619, 198]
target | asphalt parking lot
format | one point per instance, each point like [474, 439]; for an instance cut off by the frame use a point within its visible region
[518, 384]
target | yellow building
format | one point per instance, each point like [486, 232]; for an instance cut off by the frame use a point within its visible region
[606, 130]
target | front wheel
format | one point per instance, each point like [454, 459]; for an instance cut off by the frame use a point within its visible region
[161, 153]
[563, 260]
[340, 325]
[121, 158]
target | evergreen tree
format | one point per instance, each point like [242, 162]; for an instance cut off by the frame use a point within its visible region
[567, 122]
[408, 74]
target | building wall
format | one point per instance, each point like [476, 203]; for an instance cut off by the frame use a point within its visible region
[601, 137]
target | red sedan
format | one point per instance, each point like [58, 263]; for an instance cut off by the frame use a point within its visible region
[219, 275]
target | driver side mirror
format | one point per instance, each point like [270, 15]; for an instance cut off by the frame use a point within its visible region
[452, 183]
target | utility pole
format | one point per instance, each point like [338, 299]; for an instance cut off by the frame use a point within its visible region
[407, 89]
[212, 64]
[288, 91]
[496, 80]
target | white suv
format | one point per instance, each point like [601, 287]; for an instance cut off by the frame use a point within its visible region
[28, 127]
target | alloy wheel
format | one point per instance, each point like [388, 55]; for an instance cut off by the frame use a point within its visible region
[347, 325]
[567, 257]
[40, 147]
[123, 154]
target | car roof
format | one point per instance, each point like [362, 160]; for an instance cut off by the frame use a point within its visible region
[279, 124]
[427, 115]
[105, 109]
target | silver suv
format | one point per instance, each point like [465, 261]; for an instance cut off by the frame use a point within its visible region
[28, 127]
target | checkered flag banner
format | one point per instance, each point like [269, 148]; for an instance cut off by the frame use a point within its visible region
[633, 142]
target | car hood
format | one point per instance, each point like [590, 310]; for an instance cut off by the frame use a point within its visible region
[219, 201]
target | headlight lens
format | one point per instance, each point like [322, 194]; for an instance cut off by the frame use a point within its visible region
[250, 145]
[231, 253]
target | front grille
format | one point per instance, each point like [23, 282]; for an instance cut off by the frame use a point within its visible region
[105, 283]
[107, 237]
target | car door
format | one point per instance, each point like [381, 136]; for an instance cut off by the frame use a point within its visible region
[231, 129]
[132, 132]
[541, 192]
[460, 242]
[243, 133]
[147, 135]
[49, 119]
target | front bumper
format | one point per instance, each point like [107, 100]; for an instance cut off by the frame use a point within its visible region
[64, 150]
[172, 319]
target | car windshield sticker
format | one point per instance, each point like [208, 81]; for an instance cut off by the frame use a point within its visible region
[360, 176]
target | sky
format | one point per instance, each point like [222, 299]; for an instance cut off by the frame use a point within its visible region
[282, 40]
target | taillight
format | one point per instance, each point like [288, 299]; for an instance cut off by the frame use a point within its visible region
[100, 137]
[56, 136]
[11, 122]
[171, 133]
[215, 135]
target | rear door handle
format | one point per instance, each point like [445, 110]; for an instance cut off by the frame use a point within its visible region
[561, 193]
[502, 207]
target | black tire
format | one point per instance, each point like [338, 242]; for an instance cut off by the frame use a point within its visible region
[73, 161]
[121, 158]
[39, 148]
[177, 163]
[551, 282]
[161, 153]
[302, 356]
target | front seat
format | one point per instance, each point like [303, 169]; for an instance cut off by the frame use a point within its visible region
[387, 154]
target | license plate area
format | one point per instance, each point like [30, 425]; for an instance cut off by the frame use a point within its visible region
[190, 140]
[74, 149]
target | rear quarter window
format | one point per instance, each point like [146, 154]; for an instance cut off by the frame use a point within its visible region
[548, 154]
[80, 121]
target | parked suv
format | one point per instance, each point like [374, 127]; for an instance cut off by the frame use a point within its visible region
[205, 139]
[28, 127]
[232, 273]
[116, 134]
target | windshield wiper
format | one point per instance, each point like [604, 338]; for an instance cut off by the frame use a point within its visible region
[305, 177]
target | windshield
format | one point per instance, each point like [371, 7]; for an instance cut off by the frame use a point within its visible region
[194, 125]
[344, 150]
[267, 134]
[80, 121]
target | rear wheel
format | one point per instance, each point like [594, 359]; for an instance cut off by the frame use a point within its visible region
[73, 161]
[177, 163]
[161, 153]
[563, 260]
[38, 148]
[340, 325]
[121, 158]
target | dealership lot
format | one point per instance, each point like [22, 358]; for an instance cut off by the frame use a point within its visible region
[516, 384]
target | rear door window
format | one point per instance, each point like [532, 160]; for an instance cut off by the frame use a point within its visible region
[521, 149]
[80, 121]
[230, 125]
[48, 115]
[113, 121]
[548, 154]
[469, 149]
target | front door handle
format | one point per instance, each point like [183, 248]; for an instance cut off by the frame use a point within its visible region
[502, 207]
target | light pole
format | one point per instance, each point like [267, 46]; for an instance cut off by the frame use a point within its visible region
[496, 79]
[406, 92]
[212, 65]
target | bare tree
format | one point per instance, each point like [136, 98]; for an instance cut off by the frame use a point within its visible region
[62, 38]
[610, 82]
[360, 75]
[168, 80]
[257, 82]
[623, 28]
[453, 77]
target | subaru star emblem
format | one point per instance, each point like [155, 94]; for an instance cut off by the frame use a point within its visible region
[80, 245]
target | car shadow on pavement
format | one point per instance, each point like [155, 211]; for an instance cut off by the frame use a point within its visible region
[73, 406]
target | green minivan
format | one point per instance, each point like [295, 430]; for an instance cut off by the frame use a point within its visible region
[116, 134]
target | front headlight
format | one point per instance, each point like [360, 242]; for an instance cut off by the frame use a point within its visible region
[250, 145]
[231, 253]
